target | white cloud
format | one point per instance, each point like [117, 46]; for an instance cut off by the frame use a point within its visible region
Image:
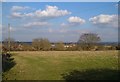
[63, 24]
[75, 19]
[28, 15]
[49, 12]
[50, 30]
[63, 30]
[19, 8]
[16, 15]
[36, 24]
[105, 20]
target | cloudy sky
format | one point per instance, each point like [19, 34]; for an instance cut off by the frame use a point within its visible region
[63, 21]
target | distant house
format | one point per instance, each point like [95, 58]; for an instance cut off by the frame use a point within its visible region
[52, 45]
[66, 45]
[69, 45]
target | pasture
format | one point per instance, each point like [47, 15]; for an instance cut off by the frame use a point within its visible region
[63, 65]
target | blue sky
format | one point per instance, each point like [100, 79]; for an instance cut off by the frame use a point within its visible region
[60, 21]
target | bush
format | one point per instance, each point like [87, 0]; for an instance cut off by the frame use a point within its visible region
[60, 46]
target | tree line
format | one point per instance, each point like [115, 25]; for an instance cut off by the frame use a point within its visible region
[87, 41]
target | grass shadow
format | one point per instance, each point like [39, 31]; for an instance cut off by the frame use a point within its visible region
[7, 62]
[92, 74]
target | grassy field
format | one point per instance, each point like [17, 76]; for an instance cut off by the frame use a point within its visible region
[63, 65]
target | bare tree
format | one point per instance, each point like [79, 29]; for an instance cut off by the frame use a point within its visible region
[87, 40]
[6, 45]
[41, 44]
[60, 46]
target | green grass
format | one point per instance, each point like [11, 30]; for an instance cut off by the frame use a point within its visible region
[58, 65]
